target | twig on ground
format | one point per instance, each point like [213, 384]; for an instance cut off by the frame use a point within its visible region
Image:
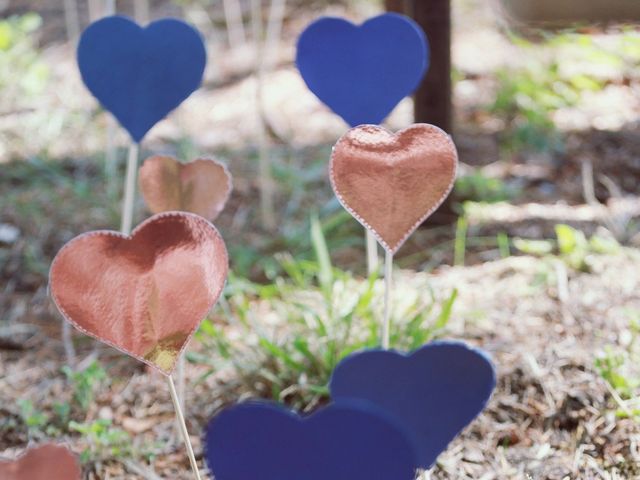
[142, 470]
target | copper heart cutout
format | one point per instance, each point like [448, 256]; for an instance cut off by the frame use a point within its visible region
[145, 294]
[201, 187]
[47, 462]
[392, 183]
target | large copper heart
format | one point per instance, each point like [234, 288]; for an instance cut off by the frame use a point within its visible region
[145, 294]
[392, 183]
[201, 187]
[48, 462]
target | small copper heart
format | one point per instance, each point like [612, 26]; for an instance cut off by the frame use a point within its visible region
[201, 187]
[145, 294]
[47, 462]
[392, 183]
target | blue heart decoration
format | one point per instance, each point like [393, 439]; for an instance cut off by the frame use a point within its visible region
[363, 72]
[434, 392]
[141, 74]
[339, 442]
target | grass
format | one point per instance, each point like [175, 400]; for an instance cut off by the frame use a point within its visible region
[284, 339]
[106, 442]
[570, 245]
[618, 366]
[528, 94]
[74, 414]
[478, 187]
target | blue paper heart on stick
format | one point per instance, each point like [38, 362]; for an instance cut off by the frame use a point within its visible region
[141, 74]
[340, 442]
[434, 392]
[362, 72]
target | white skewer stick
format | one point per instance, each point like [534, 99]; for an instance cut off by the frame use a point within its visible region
[183, 428]
[372, 252]
[111, 157]
[130, 189]
[109, 7]
[181, 381]
[141, 11]
[388, 271]
[267, 208]
[72, 20]
[235, 27]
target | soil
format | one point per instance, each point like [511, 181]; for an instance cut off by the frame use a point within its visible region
[544, 323]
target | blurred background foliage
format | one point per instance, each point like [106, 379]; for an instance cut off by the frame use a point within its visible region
[546, 123]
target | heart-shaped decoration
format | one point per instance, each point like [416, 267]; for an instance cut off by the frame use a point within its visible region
[145, 294]
[392, 183]
[47, 462]
[141, 74]
[201, 187]
[363, 72]
[434, 392]
[339, 442]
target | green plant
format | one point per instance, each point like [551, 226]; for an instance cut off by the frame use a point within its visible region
[572, 246]
[34, 419]
[478, 187]
[84, 382]
[618, 366]
[554, 77]
[41, 423]
[294, 331]
[22, 72]
[460, 243]
[105, 441]
[525, 100]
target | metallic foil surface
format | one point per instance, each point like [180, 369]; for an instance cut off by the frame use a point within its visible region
[145, 294]
[392, 183]
[201, 187]
[47, 462]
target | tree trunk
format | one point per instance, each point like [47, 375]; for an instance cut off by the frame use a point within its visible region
[397, 6]
[433, 97]
[432, 103]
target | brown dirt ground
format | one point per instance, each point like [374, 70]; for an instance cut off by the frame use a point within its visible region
[552, 416]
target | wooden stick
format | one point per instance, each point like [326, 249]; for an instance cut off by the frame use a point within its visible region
[181, 381]
[267, 208]
[67, 341]
[95, 10]
[109, 7]
[111, 158]
[233, 19]
[425, 475]
[274, 31]
[388, 271]
[372, 252]
[183, 428]
[141, 11]
[130, 189]
[71, 19]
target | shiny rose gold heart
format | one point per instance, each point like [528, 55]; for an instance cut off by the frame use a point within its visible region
[47, 462]
[201, 187]
[392, 183]
[145, 294]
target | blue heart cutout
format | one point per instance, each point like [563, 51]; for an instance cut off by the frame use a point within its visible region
[141, 74]
[339, 442]
[434, 392]
[363, 72]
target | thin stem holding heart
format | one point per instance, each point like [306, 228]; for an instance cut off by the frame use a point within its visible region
[425, 475]
[183, 428]
[388, 271]
[129, 190]
[372, 252]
